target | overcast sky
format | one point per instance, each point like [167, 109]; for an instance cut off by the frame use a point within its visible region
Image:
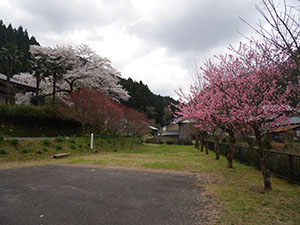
[156, 41]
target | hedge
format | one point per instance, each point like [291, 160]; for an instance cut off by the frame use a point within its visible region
[36, 118]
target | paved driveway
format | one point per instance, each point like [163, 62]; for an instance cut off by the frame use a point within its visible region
[55, 194]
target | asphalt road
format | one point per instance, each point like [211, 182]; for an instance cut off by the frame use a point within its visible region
[53, 195]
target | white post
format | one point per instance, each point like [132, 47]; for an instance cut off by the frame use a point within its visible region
[92, 140]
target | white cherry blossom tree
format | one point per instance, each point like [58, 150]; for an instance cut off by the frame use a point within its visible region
[63, 69]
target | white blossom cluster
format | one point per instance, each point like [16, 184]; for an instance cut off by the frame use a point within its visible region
[64, 69]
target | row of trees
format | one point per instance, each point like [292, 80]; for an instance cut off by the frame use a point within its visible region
[250, 89]
[14, 49]
[142, 99]
[103, 115]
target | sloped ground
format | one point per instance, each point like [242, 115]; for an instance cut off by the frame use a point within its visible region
[55, 194]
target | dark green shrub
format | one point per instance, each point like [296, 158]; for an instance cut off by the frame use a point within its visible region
[72, 146]
[138, 142]
[42, 120]
[45, 149]
[266, 141]
[1, 138]
[72, 141]
[170, 143]
[26, 150]
[291, 145]
[3, 151]
[59, 139]
[80, 146]
[100, 144]
[14, 142]
[46, 142]
[58, 147]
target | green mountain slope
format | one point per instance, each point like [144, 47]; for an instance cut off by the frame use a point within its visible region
[15, 44]
[154, 106]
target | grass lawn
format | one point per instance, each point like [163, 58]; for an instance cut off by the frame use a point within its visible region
[238, 193]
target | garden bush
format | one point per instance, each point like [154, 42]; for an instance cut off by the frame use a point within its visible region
[266, 141]
[3, 151]
[59, 139]
[46, 142]
[59, 147]
[14, 142]
[26, 150]
[42, 120]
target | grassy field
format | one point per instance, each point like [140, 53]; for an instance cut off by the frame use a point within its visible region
[238, 196]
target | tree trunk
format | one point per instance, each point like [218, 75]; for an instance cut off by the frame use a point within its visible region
[202, 145]
[54, 87]
[197, 143]
[7, 96]
[264, 170]
[12, 94]
[38, 80]
[230, 150]
[217, 150]
[206, 148]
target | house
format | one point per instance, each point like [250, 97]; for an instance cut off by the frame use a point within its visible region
[288, 132]
[154, 130]
[169, 133]
[186, 131]
[177, 132]
[12, 87]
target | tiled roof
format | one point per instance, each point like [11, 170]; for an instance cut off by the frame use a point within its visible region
[294, 120]
[12, 80]
[153, 128]
[170, 133]
[282, 129]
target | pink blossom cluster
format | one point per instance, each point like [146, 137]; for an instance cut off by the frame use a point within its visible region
[243, 89]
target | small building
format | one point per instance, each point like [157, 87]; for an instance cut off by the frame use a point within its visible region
[172, 125]
[154, 130]
[177, 132]
[289, 132]
[12, 87]
[186, 131]
[170, 137]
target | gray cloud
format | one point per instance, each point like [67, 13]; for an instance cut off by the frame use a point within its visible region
[187, 29]
[64, 16]
[200, 27]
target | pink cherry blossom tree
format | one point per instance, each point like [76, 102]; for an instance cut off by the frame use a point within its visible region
[241, 91]
[208, 106]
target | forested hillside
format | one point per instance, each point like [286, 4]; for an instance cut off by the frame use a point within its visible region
[14, 49]
[154, 106]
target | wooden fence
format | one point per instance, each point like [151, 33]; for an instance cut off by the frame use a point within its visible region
[284, 165]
